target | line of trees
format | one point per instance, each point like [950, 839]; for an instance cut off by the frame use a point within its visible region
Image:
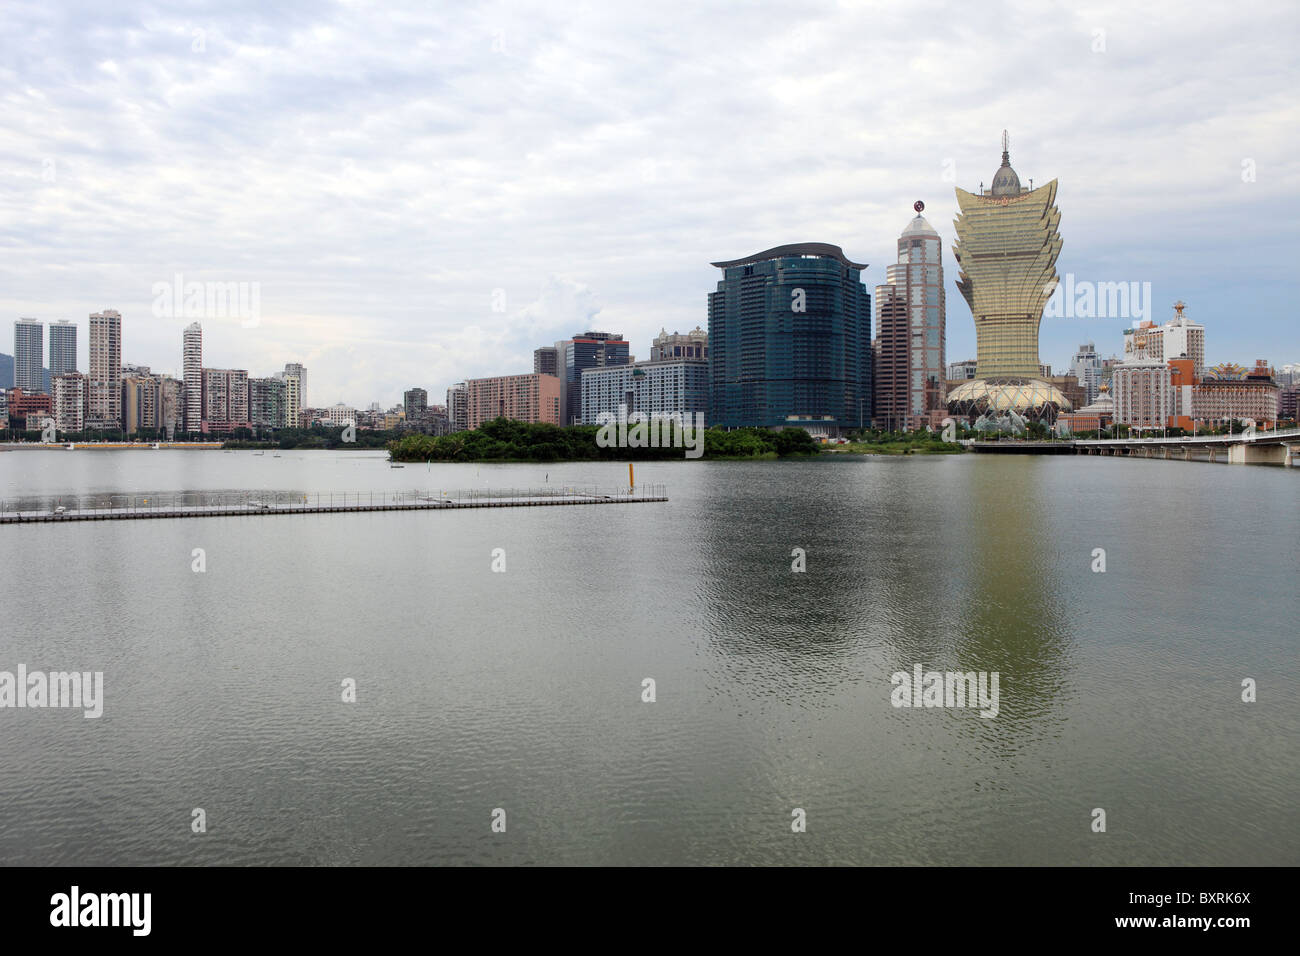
[506, 440]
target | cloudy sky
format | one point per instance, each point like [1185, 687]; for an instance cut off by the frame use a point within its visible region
[427, 192]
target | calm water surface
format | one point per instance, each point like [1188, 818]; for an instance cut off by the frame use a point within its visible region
[478, 690]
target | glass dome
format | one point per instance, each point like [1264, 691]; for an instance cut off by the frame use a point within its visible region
[1029, 398]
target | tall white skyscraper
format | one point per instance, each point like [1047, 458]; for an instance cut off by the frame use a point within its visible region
[63, 347]
[29, 339]
[192, 374]
[105, 341]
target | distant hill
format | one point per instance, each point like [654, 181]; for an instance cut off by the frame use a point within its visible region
[7, 373]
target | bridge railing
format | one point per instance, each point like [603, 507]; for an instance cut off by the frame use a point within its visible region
[1255, 436]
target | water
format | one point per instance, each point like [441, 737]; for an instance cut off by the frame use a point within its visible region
[522, 690]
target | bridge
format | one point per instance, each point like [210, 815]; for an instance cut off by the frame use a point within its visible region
[1277, 447]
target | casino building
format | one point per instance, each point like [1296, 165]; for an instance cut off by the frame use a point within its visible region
[1007, 246]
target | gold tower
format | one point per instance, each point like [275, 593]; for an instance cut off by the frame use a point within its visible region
[1007, 246]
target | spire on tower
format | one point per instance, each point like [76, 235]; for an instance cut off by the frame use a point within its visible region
[1006, 149]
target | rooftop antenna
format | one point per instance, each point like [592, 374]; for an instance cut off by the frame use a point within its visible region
[1006, 149]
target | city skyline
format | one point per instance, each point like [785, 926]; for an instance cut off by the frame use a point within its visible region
[602, 209]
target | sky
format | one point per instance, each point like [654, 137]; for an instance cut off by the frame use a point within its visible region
[421, 193]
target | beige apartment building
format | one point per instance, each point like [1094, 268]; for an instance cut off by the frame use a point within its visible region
[526, 398]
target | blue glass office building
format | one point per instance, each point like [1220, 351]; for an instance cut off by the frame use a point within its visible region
[790, 341]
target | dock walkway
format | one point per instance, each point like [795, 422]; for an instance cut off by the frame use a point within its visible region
[219, 504]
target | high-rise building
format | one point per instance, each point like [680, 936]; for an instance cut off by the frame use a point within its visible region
[141, 403]
[790, 341]
[1086, 367]
[63, 347]
[172, 391]
[909, 376]
[524, 398]
[70, 395]
[29, 341]
[294, 377]
[1142, 390]
[415, 403]
[674, 388]
[266, 402]
[546, 360]
[299, 371]
[225, 399]
[192, 357]
[677, 346]
[1180, 336]
[457, 409]
[574, 356]
[1007, 246]
[105, 348]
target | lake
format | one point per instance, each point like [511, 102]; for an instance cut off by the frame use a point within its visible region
[521, 689]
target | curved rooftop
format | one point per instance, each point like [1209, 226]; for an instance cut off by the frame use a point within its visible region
[919, 227]
[822, 250]
[1005, 180]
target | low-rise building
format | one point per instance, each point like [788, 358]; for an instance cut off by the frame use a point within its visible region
[1230, 393]
[22, 404]
[1093, 417]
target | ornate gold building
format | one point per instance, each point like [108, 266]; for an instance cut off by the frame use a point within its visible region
[1007, 245]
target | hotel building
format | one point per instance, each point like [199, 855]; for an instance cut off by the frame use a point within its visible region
[677, 389]
[1007, 246]
[790, 341]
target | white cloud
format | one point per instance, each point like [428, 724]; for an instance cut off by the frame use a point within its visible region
[380, 169]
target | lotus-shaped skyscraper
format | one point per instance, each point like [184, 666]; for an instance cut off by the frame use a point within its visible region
[1007, 245]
